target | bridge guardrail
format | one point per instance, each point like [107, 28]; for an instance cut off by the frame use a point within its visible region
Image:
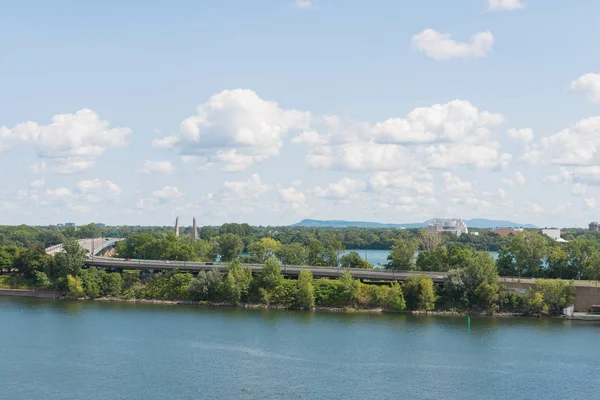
[287, 269]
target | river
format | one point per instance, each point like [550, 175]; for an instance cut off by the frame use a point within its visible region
[93, 350]
[378, 258]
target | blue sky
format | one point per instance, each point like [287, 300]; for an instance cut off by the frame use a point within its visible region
[271, 111]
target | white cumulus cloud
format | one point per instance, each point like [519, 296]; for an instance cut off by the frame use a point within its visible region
[505, 5]
[590, 202]
[517, 179]
[455, 186]
[38, 183]
[403, 181]
[71, 142]
[96, 190]
[341, 190]
[575, 145]
[441, 46]
[167, 193]
[305, 4]
[248, 189]
[523, 136]
[59, 195]
[157, 167]
[589, 83]
[236, 128]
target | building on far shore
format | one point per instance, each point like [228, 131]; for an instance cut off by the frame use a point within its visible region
[456, 226]
[594, 226]
[507, 231]
[70, 224]
[552, 233]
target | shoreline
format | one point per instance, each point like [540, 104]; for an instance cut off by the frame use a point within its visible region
[53, 295]
[258, 306]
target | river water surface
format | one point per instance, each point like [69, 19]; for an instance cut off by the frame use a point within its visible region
[94, 350]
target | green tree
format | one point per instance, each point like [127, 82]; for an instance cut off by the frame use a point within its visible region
[315, 253]
[231, 289]
[32, 259]
[350, 287]
[89, 231]
[242, 279]
[50, 238]
[331, 255]
[41, 280]
[75, 286]
[205, 286]
[131, 278]
[557, 294]
[292, 254]
[306, 291]
[433, 260]
[419, 293]
[91, 282]
[394, 299]
[558, 262]
[263, 249]
[354, 260]
[113, 284]
[430, 240]
[71, 259]
[474, 283]
[505, 263]
[402, 255]
[205, 251]
[529, 250]
[581, 253]
[269, 277]
[8, 256]
[229, 246]
[534, 304]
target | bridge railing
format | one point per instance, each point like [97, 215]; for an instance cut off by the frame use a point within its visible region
[56, 246]
[293, 269]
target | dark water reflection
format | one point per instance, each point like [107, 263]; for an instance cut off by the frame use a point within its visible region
[93, 350]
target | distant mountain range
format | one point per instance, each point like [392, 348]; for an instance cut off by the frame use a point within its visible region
[471, 223]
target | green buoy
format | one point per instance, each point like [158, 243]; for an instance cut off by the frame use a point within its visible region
[469, 322]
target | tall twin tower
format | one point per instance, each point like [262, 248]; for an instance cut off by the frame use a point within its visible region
[195, 228]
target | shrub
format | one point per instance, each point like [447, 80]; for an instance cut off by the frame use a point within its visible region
[205, 286]
[534, 304]
[75, 286]
[230, 290]
[349, 288]
[113, 283]
[91, 282]
[557, 294]
[285, 294]
[305, 297]
[328, 293]
[394, 298]
[131, 278]
[419, 293]
[41, 280]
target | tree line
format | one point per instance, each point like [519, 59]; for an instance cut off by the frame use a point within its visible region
[350, 238]
[471, 284]
[528, 254]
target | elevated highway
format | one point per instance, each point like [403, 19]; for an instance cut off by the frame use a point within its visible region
[288, 270]
[91, 246]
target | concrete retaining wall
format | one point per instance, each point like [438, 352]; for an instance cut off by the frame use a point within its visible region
[585, 296]
[46, 294]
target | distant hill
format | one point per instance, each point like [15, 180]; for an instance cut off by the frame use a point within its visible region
[471, 223]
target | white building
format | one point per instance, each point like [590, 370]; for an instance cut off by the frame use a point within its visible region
[456, 226]
[553, 233]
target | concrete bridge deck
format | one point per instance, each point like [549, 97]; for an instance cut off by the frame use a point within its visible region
[91, 246]
[288, 270]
